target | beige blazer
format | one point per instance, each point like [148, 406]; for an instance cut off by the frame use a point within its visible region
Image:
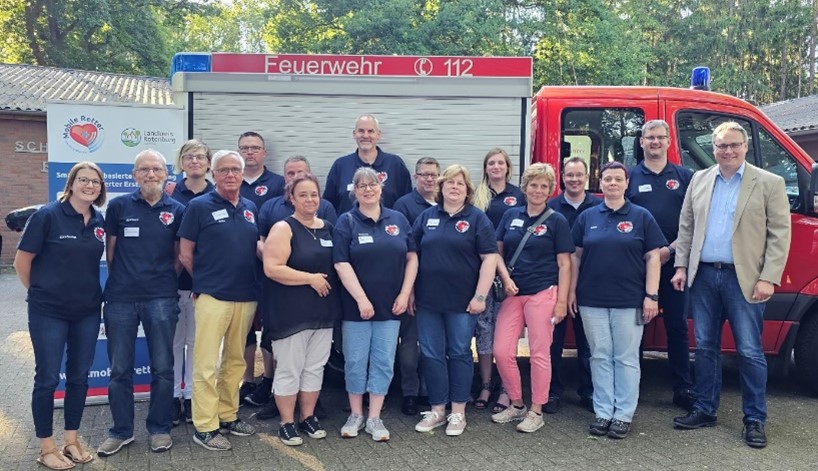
[761, 227]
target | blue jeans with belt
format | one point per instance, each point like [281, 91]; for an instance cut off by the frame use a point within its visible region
[158, 318]
[715, 296]
[52, 337]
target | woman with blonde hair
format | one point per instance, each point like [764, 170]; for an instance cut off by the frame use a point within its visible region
[192, 160]
[457, 260]
[494, 195]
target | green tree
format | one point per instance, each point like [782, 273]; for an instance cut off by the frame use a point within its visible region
[92, 34]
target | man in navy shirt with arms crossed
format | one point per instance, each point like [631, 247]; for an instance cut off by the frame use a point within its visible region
[391, 169]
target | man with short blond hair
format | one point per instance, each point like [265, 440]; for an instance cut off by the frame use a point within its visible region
[734, 237]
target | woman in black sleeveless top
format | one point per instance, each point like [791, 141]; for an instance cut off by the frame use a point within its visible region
[302, 302]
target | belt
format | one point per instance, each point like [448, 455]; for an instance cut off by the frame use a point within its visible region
[720, 265]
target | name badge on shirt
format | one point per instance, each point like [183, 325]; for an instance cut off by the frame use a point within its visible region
[220, 214]
[350, 187]
[131, 232]
[365, 239]
[325, 243]
[517, 223]
[644, 188]
[432, 222]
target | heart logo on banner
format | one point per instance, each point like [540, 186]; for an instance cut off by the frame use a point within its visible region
[84, 134]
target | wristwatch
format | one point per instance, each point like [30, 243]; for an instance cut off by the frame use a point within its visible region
[672, 250]
[652, 297]
[480, 297]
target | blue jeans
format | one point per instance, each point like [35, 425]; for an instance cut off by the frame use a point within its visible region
[158, 318]
[369, 355]
[614, 338]
[51, 337]
[586, 387]
[715, 297]
[446, 357]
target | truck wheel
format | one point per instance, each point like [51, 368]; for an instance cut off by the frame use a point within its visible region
[806, 352]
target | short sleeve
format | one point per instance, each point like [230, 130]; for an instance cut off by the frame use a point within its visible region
[578, 231]
[341, 238]
[35, 232]
[486, 240]
[653, 234]
[563, 242]
[189, 228]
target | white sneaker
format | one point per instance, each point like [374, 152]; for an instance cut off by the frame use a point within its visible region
[431, 420]
[375, 427]
[352, 426]
[533, 422]
[457, 424]
[509, 414]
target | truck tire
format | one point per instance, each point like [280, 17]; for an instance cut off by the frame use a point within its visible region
[806, 353]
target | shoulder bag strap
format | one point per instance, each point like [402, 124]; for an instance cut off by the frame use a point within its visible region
[528, 232]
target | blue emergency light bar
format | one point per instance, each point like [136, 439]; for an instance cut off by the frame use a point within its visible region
[190, 62]
[700, 78]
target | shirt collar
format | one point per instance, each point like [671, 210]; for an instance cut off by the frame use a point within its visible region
[739, 172]
[625, 209]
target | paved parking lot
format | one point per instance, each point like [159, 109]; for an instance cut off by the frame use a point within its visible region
[563, 444]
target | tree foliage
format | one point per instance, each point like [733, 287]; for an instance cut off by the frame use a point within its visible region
[764, 50]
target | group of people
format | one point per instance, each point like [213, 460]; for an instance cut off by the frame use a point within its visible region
[411, 274]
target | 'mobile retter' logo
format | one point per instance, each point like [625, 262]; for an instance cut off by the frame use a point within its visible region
[83, 134]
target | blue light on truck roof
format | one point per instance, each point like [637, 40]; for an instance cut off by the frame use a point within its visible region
[190, 62]
[700, 78]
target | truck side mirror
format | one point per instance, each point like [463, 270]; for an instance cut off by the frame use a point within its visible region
[812, 197]
[565, 149]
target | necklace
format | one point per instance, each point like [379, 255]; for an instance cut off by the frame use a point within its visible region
[452, 213]
[310, 230]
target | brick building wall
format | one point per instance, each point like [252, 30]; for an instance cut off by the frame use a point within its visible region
[22, 154]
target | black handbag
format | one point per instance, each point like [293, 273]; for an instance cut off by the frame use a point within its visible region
[497, 289]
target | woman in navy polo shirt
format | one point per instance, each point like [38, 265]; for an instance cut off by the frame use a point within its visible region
[495, 195]
[301, 294]
[537, 289]
[615, 283]
[457, 253]
[58, 262]
[194, 160]
[374, 255]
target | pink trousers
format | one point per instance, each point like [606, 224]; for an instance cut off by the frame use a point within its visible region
[535, 312]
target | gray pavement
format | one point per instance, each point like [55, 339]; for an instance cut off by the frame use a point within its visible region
[563, 444]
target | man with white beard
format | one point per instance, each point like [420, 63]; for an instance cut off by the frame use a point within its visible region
[142, 251]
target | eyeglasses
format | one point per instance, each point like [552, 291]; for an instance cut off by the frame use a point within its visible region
[364, 186]
[225, 171]
[156, 170]
[250, 148]
[195, 157]
[84, 181]
[732, 146]
[655, 138]
[426, 175]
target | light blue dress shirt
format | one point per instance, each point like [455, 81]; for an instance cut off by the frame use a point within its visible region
[718, 236]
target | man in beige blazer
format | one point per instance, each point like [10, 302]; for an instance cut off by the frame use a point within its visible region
[734, 236]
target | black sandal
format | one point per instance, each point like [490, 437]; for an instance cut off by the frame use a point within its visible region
[499, 407]
[481, 404]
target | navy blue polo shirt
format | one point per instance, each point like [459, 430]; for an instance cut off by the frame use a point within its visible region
[449, 250]
[562, 206]
[268, 185]
[144, 256]
[391, 170]
[183, 194]
[536, 268]
[662, 194]
[511, 197]
[65, 271]
[612, 270]
[411, 205]
[377, 252]
[224, 260]
[279, 208]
